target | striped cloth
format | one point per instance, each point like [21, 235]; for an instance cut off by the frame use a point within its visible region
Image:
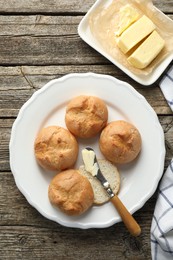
[166, 86]
[162, 222]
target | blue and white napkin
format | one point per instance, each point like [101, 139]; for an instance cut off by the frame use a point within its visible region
[162, 222]
[166, 86]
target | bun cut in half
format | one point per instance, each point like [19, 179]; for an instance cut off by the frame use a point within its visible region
[120, 142]
[111, 174]
[71, 192]
[86, 116]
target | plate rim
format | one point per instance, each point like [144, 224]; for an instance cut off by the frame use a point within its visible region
[34, 97]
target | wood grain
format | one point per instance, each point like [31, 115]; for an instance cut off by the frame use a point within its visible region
[59, 6]
[25, 234]
[18, 83]
[40, 25]
[39, 42]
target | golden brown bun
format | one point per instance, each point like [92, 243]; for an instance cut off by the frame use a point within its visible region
[120, 142]
[71, 192]
[56, 148]
[86, 116]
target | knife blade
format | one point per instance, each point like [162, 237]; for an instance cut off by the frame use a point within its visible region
[92, 166]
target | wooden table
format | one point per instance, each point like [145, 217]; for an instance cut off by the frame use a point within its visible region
[39, 42]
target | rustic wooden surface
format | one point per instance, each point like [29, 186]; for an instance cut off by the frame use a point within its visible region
[39, 42]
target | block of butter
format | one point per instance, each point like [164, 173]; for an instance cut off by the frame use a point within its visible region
[127, 16]
[147, 51]
[135, 33]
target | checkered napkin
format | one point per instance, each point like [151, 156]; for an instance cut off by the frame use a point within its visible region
[162, 223]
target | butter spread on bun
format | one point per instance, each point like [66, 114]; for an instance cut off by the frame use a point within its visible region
[55, 148]
[71, 192]
[86, 116]
[111, 174]
[120, 142]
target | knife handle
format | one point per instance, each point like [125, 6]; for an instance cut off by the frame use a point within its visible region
[127, 218]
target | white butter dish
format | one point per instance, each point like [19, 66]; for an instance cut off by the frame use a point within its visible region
[85, 33]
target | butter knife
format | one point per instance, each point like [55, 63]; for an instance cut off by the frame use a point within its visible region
[92, 166]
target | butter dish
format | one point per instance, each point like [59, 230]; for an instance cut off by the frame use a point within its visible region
[144, 77]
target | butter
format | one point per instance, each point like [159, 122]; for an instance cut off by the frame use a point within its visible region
[135, 33]
[127, 16]
[147, 51]
[90, 165]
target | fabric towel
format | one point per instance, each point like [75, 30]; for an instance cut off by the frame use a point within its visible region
[162, 222]
[166, 86]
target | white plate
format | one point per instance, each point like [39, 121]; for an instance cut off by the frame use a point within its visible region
[47, 107]
[85, 33]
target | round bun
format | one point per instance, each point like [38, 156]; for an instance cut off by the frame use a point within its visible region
[111, 174]
[120, 142]
[86, 116]
[55, 148]
[71, 192]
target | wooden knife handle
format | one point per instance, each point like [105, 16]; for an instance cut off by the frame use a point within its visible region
[127, 218]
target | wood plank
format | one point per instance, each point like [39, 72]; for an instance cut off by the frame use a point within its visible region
[57, 7]
[59, 243]
[44, 40]
[17, 84]
[51, 6]
[37, 50]
[40, 25]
